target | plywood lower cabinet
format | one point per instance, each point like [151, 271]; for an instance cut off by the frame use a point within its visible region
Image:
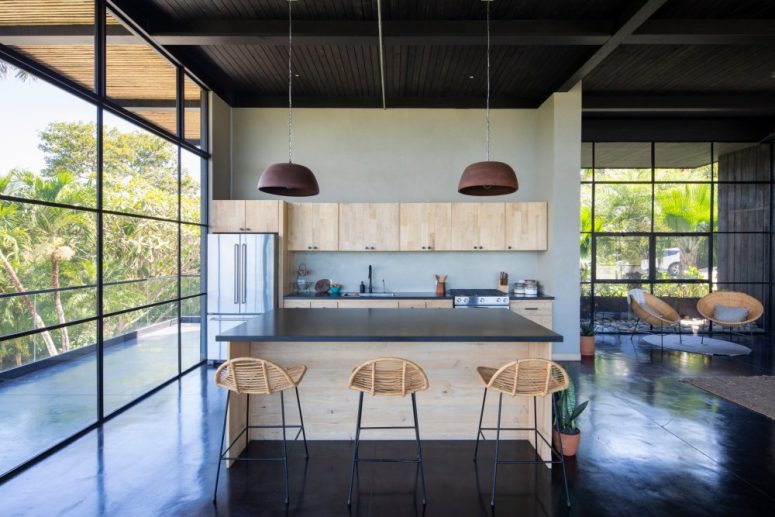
[538, 311]
[367, 304]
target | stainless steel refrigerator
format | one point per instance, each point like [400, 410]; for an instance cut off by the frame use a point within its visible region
[241, 283]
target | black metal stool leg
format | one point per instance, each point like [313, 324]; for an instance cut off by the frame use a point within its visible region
[355, 448]
[479, 430]
[562, 453]
[220, 450]
[497, 451]
[535, 427]
[285, 445]
[301, 421]
[419, 448]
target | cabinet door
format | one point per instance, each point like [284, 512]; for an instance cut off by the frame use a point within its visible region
[526, 226]
[538, 311]
[368, 227]
[368, 304]
[411, 304]
[262, 216]
[228, 216]
[438, 304]
[424, 226]
[323, 304]
[477, 226]
[313, 226]
[296, 304]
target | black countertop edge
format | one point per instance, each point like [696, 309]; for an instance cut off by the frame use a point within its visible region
[394, 339]
[399, 296]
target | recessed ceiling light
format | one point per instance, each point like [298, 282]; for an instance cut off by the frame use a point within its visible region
[470, 76]
[297, 75]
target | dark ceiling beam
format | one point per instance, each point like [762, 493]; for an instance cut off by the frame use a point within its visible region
[631, 20]
[395, 32]
[732, 103]
[156, 105]
[704, 32]
[676, 129]
[466, 102]
[62, 35]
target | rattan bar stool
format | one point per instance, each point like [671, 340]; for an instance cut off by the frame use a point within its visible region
[253, 376]
[392, 377]
[522, 378]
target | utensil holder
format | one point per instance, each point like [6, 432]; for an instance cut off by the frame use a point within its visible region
[504, 288]
[441, 288]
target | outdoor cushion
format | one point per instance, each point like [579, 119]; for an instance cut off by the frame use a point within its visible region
[730, 314]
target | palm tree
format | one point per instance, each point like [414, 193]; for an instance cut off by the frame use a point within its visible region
[686, 209]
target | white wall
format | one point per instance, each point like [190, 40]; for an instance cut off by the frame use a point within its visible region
[371, 155]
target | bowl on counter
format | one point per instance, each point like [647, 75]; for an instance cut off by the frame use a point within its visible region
[334, 291]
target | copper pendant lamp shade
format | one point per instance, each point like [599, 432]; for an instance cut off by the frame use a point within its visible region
[488, 179]
[288, 179]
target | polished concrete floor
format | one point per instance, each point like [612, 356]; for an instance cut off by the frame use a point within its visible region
[651, 445]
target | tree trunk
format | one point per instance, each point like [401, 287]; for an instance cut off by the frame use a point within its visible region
[58, 302]
[39, 324]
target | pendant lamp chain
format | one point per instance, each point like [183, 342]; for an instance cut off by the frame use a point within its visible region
[487, 111]
[290, 82]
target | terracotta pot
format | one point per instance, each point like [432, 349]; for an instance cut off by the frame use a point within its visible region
[570, 442]
[587, 345]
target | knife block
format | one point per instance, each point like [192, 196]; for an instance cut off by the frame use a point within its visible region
[504, 288]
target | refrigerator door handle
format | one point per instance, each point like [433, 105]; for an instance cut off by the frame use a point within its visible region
[236, 274]
[244, 273]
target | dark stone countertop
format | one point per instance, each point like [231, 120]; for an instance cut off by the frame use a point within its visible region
[398, 296]
[438, 325]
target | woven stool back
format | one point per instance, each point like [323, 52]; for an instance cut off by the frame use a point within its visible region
[390, 376]
[529, 377]
[253, 376]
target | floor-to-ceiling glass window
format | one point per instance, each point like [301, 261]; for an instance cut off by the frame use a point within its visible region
[678, 220]
[102, 217]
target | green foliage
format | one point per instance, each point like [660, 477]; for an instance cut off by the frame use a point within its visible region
[587, 329]
[42, 247]
[567, 410]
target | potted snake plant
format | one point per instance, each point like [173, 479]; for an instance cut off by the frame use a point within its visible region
[587, 344]
[566, 413]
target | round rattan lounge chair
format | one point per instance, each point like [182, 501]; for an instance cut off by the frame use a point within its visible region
[661, 315]
[706, 306]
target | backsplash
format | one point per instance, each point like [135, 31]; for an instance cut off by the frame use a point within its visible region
[410, 272]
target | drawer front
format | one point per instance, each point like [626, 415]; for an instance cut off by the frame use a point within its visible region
[411, 304]
[296, 304]
[368, 304]
[438, 304]
[323, 304]
[539, 311]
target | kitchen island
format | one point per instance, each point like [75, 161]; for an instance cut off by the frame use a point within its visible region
[447, 343]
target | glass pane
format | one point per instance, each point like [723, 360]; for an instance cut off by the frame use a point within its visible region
[743, 207]
[682, 208]
[190, 186]
[21, 311]
[585, 248]
[684, 257]
[621, 258]
[742, 162]
[42, 405]
[682, 297]
[141, 80]
[47, 141]
[682, 161]
[140, 262]
[141, 352]
[195, 98]
[623, 208]
[191, 242]
[46, 247]
[191, 331]
[611, 309]
[586, 302]
[586, 208]
[623, 161]
[742, 257]
[586, 161]
[140, 171]
[71, 55]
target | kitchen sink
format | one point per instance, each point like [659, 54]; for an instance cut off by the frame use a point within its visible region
[375, 295]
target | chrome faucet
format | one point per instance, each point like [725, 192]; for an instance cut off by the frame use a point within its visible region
[370, 289]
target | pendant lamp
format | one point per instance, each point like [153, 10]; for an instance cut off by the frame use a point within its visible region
[488, 178]
[289, 179]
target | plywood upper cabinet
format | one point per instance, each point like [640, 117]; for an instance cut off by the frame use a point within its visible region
[424, 226]
[233, 216]
[313, 226]
[476, 226]
[368, 227]
[526, 226]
